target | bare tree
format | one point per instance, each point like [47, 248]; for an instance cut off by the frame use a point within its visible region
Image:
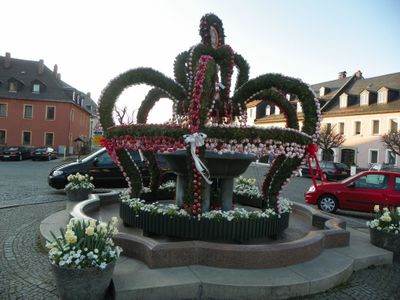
[329, 139]
[123, 117]
[392, 141]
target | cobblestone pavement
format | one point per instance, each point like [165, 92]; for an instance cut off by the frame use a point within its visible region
[25, 272]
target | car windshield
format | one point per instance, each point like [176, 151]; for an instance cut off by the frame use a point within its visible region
[12, 149]
[93, 155]
[41, 149]
[349, 178]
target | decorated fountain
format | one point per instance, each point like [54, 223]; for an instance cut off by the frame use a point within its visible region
[207, 142]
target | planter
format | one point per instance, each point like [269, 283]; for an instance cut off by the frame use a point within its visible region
[248, 201]
[204, 229]
[78, 195]
[385, 240]
[88, 283]
[160, 195]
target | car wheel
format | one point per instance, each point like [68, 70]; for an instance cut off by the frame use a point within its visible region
[328, 203]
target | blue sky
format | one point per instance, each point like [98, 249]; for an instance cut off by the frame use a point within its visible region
[94, 41]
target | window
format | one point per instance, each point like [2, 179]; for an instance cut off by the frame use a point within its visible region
[268, 110]
[372, 181]
[299, 107]
[357, 127]
[373, 156]
[50, 113]
[251, 113]
[36, 88]
[328, 126]
[26, 138]
[3, 110]
[375, 126]
[28, 111]
[390, 157]
[382, 96]
[12, 87]
[343, 100]
[364, 98]
[2, 136]
[397, 183]
[48, 139]
[341, 128]
[277, 110]
[393, 125]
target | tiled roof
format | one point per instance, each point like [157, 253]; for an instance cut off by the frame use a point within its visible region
[253, 103]
[26, 72]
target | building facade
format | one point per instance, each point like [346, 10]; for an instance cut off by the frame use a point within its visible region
[38, 109]
[362, 109]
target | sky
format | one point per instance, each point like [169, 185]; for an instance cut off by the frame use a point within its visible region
[94, 41]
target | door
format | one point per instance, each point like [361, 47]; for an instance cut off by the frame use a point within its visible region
[364, 192]
[105, 172]
[348, 156]
[393, 194]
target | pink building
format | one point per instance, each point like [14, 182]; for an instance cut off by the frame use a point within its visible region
[38, 109]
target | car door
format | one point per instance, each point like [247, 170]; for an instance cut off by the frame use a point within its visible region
[393, 193]
[364, 192]
[105, 172]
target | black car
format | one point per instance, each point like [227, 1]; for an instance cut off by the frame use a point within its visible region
[105, 173]
[46, 153]
[16, 153]
[331, 170]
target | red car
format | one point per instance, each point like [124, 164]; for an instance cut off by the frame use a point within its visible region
[359, 192]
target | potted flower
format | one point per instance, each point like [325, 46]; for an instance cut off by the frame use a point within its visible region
[83, 258]
[79, 186]
[385, 229]
[246, 192]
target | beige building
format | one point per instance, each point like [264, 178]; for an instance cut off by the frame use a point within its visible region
[362, 109]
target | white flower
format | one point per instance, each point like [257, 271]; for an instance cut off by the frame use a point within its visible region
[376, 208]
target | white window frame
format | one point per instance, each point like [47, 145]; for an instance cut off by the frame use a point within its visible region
[23, 112]
[36, 88]
[12, 84]
[387, 157]
[5, 136]
[268, 110]
[343, 100]
[277, 110]
[354, 128]
[364, 98]
[372, 127]
[44, 140]
[383, 93]
[47, 110]
[344, 127]
[6, 114]
[390, 122]
[299, 108]
[369, 156]
[322, 90]
[30, 138]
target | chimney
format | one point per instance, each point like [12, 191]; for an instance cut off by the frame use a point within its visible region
[7, 60]
[55, 70]
[342, 75]
[88, 94]
[358, 74]
[41, 67]
[58, 76]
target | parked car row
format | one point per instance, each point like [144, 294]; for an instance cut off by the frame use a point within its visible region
[23, 152]
[331, 170]
[105, 173]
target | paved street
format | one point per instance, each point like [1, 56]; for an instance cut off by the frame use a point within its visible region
[26, 199]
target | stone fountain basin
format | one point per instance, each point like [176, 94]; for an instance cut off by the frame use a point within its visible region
[223, 165]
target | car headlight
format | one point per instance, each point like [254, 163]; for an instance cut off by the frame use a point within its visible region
[57, 173]
[311, 189]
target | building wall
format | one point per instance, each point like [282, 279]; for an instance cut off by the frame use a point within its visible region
[66, 127]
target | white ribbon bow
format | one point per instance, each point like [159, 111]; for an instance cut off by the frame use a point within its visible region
[197, 140]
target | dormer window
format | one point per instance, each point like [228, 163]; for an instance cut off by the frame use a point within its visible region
[12, 87]
[323, 91]
[383, 95]
[364, 98]
[344, 100]
[268, 110]
[36, 88]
